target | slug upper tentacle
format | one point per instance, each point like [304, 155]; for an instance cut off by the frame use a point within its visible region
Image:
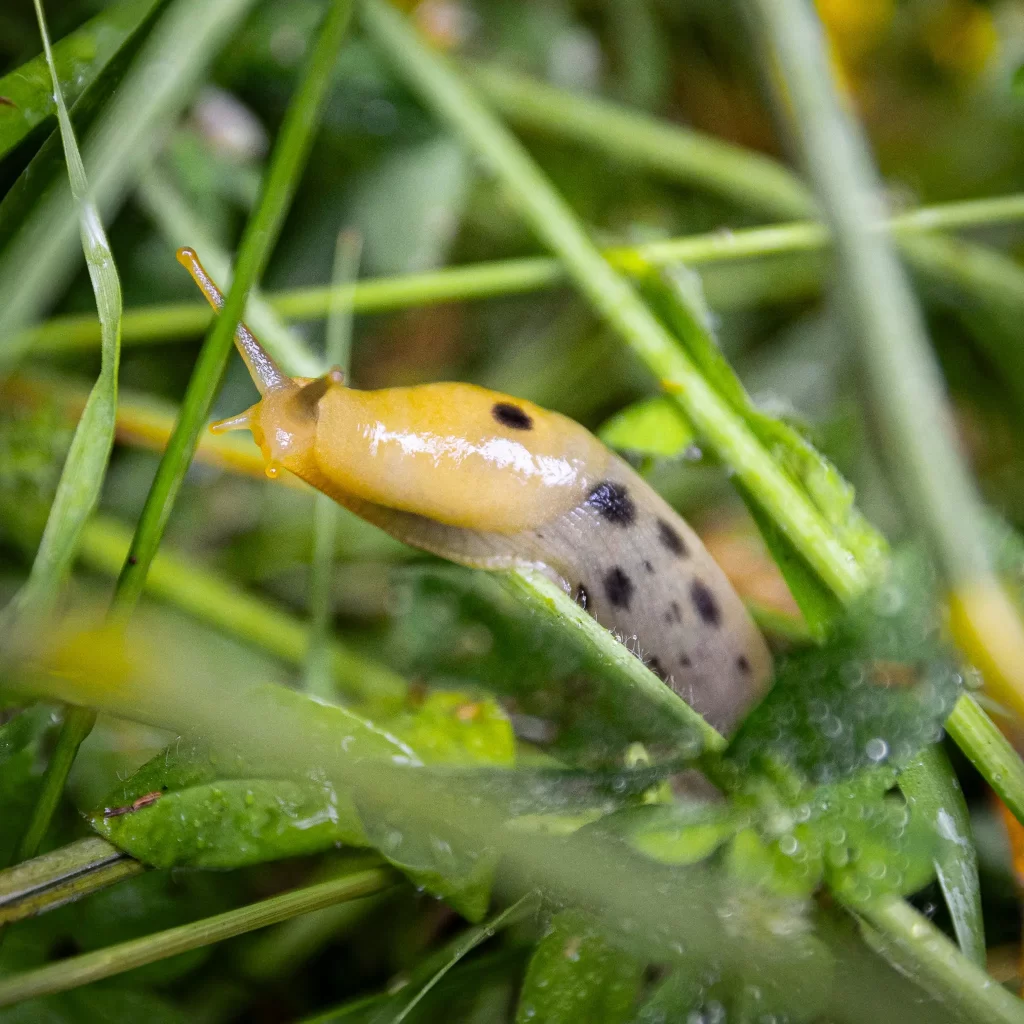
[494, 482]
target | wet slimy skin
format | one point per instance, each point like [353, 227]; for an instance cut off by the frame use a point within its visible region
[495, 482]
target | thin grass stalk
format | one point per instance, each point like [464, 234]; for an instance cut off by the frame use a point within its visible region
[158, 323]
[104, 963]
[338, 353]
[261, 232]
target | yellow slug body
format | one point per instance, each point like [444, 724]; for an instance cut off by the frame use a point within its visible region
[495, 482]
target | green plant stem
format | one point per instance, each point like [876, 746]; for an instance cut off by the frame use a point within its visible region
[103, 963]
[77, 724]
[935, 959]
[158, 323]
[288, 159]
[613, 298]
[66, 874]
[748, 179]
[989, 751]
[220, 603]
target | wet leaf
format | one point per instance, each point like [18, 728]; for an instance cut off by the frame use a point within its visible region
[575, 974]
[191, 806]
[876, 693]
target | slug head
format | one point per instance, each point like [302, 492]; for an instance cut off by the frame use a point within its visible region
[283, 421]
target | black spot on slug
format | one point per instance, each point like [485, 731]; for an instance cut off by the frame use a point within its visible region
[674, 613]
[685, 661]
[705, 603]
[743, 665]
[658, 669]
[612, 502]
[649, 567]
[618, 587]
[670, 539]
[511, 416]
[582, 597]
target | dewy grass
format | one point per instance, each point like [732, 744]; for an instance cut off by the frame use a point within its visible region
[81, 479]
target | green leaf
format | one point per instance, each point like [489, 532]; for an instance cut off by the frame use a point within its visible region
[230, 823]
[677, 833]
[78, 59]
[575, 974]
[653, 426]
[931, 787]
[876, 693]
[204, 808]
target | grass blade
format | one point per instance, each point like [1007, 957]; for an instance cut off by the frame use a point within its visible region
[38, 261]
[931, 785]
[319, 678]
[261, 232]
[104, 963]
[84, 470]
[613, 298]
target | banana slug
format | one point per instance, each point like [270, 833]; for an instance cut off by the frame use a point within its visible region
[494, 482]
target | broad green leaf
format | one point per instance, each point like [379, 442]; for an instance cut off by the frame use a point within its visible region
[676, 833]
[653, 426]
[933, 792]
[575, 974]
[78, 59]
[233, 822]
[85, 467]
[203, 808]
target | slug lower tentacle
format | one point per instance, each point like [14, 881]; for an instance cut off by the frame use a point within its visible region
[494, 482]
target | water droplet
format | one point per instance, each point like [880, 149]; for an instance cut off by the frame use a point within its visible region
[876, 749]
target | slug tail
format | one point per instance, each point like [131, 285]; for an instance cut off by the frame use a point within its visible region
[264, 371]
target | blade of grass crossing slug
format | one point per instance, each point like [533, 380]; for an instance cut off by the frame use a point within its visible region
[288, 159]
[82, 477]
[931, 787]
[900, 367]
[180, 225]
[319, 677]
[614, 299]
